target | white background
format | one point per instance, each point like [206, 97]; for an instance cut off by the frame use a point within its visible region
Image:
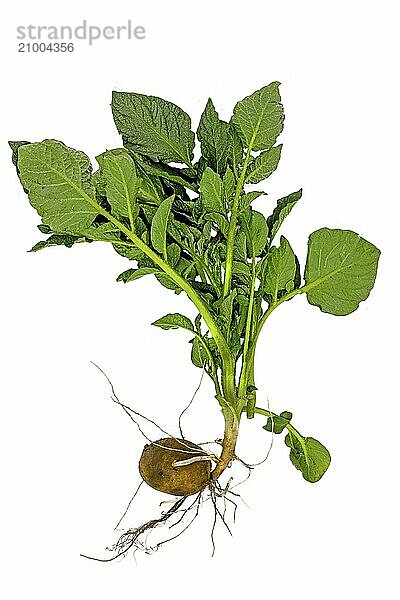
[69, 456]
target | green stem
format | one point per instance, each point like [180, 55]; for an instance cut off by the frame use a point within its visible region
[228, 382]
[251, 355]
[250, 396]
[292, 430]
[303, 290]
[272, 307]
[243, 382]
[232, 223]
[247, 373]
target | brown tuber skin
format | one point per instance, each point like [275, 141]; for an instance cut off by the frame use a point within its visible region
[157, 467]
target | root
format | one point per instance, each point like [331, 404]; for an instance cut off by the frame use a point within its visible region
[196, 503]
[179, 516]
[131, 539]
[137, 538]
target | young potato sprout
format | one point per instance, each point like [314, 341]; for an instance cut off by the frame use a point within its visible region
[193, 227]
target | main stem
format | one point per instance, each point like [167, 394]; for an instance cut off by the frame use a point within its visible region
[231, 431]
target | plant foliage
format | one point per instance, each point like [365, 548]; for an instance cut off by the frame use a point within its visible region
[193, 226]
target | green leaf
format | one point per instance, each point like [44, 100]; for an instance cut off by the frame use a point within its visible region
[129, 252]
[150, 188]
[278, 422]
[281, 211]
[279, 270]
[340, 271]
[164, 171]
[243, 303]
[57, 239]
[258, 229]
[183, 207]
[236, 154]
[99, 183]
[309, 456]
[57, 179]
[263, 165]
[103, 232]
[43, 228]
[173, 254]
[132, 274]
[224, 308]
[241, 268]
[199, 355]
[246, 200]
[220, 221]
[154, 127]
[215, 139]
[174, 321]
[211, 189]
[229, 185]
[197, 323]
[258, 118]
[240, 247]
[167, 282]
[121, 183]
[159, 225]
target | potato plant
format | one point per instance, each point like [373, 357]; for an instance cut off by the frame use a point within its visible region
[192, 226]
